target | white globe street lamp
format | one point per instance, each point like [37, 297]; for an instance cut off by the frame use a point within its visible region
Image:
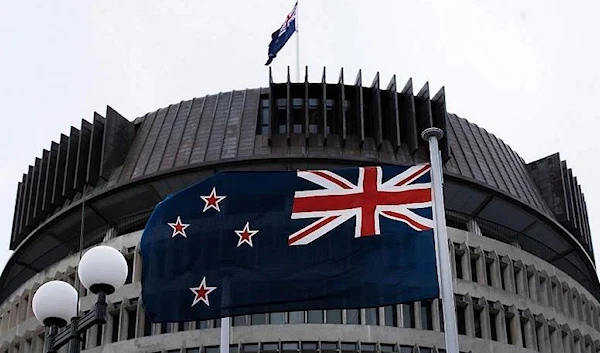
[101, 270]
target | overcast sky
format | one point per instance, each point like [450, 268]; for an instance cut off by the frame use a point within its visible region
[526, 71]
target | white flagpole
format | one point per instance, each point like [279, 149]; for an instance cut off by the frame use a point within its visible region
[297, 43]
[432, 135]
[225, 329]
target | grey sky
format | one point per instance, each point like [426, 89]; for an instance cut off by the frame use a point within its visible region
[526, 71]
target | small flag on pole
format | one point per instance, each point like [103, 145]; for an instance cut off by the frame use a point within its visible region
[243, 243]
[281, 35]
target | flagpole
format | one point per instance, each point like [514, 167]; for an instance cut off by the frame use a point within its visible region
[432, 135]
[297, 43]
[225, 329]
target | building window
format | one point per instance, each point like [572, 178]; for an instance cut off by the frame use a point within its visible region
[459, 268]
[460, 320]
[277, 318]
[349, 347]
[270, 347]
[372, 316]
[406, 349]
[211, 349]
[131, 317]
[164, 327]
[315, 317]
[297, 317]
[328, 347]
[390, 315]
[241, 320]
[367, 347]
[309, 347]
[426, 315]
[129, 260]
[258, 319]
[250, 347]
[353, 316]
[408, 315]
[334, 316]
[264, 120]
[289, 346]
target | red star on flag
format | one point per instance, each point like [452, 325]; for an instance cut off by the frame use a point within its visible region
[246, 235]
[178, 227]
[212, 200]
[201, 292]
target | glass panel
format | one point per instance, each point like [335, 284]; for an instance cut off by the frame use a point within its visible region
[348, 347]
[334, 316]
[173, 351]
[129, 261]
[315, 317]
[296, 317]
[309, 346]
[277, 318]
[328, 346]
[372, 316]
[251, 347]
[367, 347]
[192, 350]
[390, 315]
[426, 318]
[115, 328]
[270, 347]
[387, 348]
[353, 316]
[425, 350]
[211, 349]
[233, 348]
[408, 315]
[289, 346]
[131, 315]
[406, 349]
[258, 319]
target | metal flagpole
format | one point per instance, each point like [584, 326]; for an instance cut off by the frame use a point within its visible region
[297, 44]
[432, 135]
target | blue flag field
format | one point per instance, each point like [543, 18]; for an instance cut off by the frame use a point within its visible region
[255, 242]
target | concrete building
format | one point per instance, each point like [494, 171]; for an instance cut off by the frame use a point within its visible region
[525, 278]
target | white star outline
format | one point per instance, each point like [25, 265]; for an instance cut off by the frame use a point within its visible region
[178, 223]
[213, 195]
[203, 298]
[246, 230]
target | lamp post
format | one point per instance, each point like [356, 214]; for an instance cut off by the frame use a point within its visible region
[101, 270]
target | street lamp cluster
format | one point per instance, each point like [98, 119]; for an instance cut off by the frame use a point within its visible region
[55, 304]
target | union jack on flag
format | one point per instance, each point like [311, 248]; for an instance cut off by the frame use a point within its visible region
[369, 199]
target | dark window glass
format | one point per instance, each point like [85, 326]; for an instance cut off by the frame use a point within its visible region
[372, 316]
[277, 318]
[334, 316]
[493, 326]
[426, 317]
[173, 351]
[211, 349]
[296, 317]
[180, 326]
[309, 346]
[477, 323]
[473, 269]
[425, 350]
[352, 117]
[202, 324]
[282, 115]
[328, 346]
[353, 316]
[315, 317]
[270, 347]
[387, 348]
[258, 319]
[251, 347]
[459, 269]
[488, 271]
[460, 320]
[441, 314]
[131, 316]
[164, 327]
[240, 320]
[297, 115]
[289, 346]
[523, 332]
[508, 332]
[408, 315]
[406, 349]
[129, 260]
[217, 323]
[348, 347]
[233, 348]
[264, 120]
[367, 347]
[115, 329]
[390, 315]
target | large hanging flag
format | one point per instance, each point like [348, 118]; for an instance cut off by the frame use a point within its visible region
[256, 242]
[281, 35]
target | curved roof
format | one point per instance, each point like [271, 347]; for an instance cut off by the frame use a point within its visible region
[125, 168]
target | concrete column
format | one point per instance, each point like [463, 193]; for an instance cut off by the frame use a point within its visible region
[521, 278]
[508, 273]
[435, 314]
[469, 317]
[556, 293]
[123, 322]
[24, 303]
[480, 267]
[556, 342]
[515, 326]
[417, 309]
[453, 259]
[137, 266]
[496, 279]
[532, 279]
[140, 317]
[484, 319]
[541, 332]
[578, 344]
[473, 227]
[567, 300]
[567, 338]
[577, 310]
[466, 263]
[543, 281]
[500, 321]
[529, 329]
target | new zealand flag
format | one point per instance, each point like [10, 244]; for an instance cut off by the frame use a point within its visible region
[281, 35]
[256, 242]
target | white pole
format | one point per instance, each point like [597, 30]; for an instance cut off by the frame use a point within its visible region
[441, 239]
[297, 44]
[225, 328]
